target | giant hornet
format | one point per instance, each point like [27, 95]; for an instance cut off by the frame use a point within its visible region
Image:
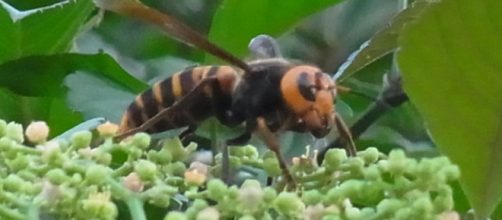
[268, 95]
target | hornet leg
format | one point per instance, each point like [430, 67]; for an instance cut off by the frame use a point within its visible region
[345, 133]
[226, 170]
[273, 144]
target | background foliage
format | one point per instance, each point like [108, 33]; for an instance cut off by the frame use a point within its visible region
[88, 65]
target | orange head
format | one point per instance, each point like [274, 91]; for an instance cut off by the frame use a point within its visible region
[309, 94]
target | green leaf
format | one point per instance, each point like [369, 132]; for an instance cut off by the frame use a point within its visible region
[24, 109]
[32, 88]
[236, 22]
[96, 96]
[42, 31]
[451, 64]
[382, 43]
[44, 75]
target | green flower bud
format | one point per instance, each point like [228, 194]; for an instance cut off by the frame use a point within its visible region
[208, 213]
[355, 166]
[353, 213]
[237, 151]
[27, 175]
[422, 208]
[387, 207]
[146, 170]
[250, 196]
[81, 139]
[14, 131]
[63, 144]
[175, 215]
[29, 188]
[103, 158]
[451, 172]
[235, 161]
[176, 168]
[20, 162]
[444, 200]
[134, 153]
[266, 216]
[247, 217]
[218, 158]
[6, 144]
[160, 195]
[86, 153]
[233, 192]
[3, 128]
[332, 217]
[199, 204]
[161, 157]
[350, 188]
[251, 151]
[333, 158]
[367, 213]
[51, 153]
[383, 166]
[99, 206]
[312, 197]
[65, 195]
[404, 213]
[370, 155]
[13, 183]
[72, 167]
[271, 165]
[192, 147]
[76, 178]
[372, 173]
[269, 194]
[289, 204]
[141, 140]
[411, 166]
[175, 147]
[397, 162]
[402, 184]
[216, 189]
[97, 174]
[370, 193]
[251, 183]
[10, 154]
[56, 176]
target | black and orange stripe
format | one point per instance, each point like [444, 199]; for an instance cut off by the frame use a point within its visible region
[165, 93]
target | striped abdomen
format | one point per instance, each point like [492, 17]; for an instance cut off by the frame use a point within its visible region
[216, 91]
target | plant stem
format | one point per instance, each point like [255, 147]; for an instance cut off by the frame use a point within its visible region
[134, 203]
[135, 206]
[32, 212]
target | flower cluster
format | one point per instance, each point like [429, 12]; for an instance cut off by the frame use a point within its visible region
[94, 177]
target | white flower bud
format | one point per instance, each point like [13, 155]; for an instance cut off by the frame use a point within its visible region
[37, 132]
[133, 182]
[107, 129]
